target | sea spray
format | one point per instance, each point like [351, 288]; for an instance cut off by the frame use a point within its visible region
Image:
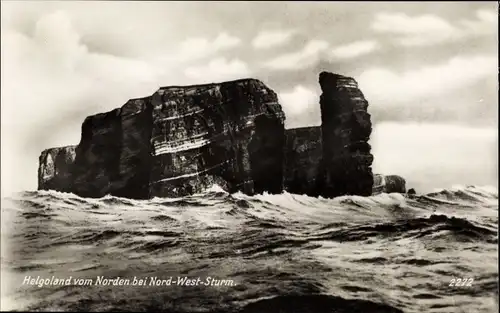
[254, 247]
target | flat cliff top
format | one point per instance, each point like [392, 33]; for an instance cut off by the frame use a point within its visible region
[117, 111]
[230, 82]
[325, 75]
[58, 148]
[330, 81]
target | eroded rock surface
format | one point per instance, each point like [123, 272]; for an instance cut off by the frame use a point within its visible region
[54, 170]
[183, 139]
[303, 155]
[346, 129]
[389, 184]
[221, 130]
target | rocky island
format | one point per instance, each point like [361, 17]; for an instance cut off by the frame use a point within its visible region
[183, 139]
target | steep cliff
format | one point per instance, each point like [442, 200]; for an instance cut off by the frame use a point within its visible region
[303, 155]
[113, 156]
[54, 170]
[220, 132]
[346, 129]
[98, 155]
[179, 141]
[183, 139]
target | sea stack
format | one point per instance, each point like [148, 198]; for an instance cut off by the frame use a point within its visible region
[183, 139]
[346, 129]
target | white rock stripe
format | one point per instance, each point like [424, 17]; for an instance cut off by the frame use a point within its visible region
[182, 147]
[163, 143]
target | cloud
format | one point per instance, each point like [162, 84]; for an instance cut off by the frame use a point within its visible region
[301, 106]
[388, 87]
[488, 16]
[272, 38]
[402, 23]
[219, 69]
[429, 29]
[431, 156]
[51, 81]
[415, 31]
[297, 100]
[60, 66]
[300, 59]
[193, 49]
[486, 23]
[56, 34]
[355, 49]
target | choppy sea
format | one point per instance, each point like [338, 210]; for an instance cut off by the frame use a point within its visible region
[267, 253]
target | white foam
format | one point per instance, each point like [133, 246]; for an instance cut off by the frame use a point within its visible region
[215, 188]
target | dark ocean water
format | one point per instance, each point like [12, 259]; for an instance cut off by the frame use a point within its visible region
[267, 253]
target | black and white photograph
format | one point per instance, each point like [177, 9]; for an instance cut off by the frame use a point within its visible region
[249, 156]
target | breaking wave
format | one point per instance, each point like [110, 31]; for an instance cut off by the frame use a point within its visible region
[282, 253]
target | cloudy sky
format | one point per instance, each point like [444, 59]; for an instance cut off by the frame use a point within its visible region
[428, 70]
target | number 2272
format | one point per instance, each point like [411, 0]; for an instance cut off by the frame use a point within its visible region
[461, 282]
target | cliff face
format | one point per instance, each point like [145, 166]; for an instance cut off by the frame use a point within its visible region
[179, 141]
[346, 129]
[303, 155]
[113, 156]
[54, 170]
[97, 155]
[182, 140]
[216, 132]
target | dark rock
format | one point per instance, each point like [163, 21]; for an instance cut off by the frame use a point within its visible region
[54, 171]
[221, 130]
[389, 184]
[346, 129]
[303, 155]
[181, 140]
[97, 160]
[411, 193]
